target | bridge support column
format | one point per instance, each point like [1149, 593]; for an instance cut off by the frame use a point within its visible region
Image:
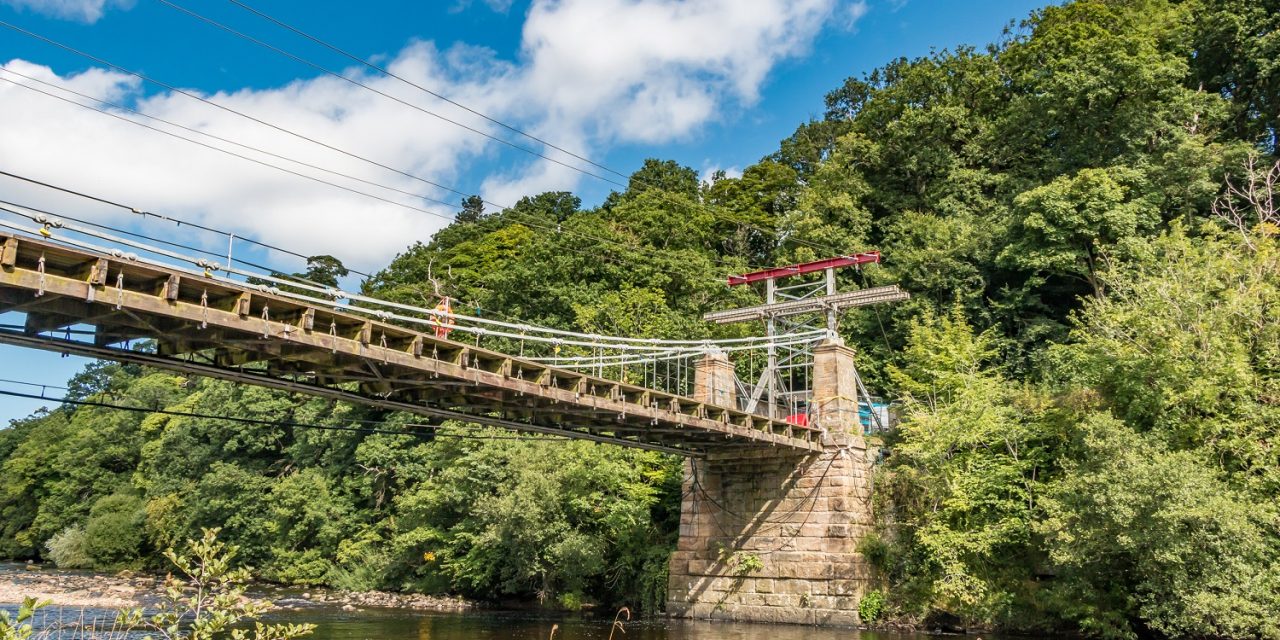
[713, 380]
[767, 535]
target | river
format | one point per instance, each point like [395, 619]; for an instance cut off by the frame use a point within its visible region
[372, 623]
[392, 624]
[396, 625]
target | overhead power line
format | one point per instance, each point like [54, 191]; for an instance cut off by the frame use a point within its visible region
[222, 107]
[177, 90]
[663, 196]
[290, 132]
[344, 78]
[272, 423]
[437, 214]
[523, 218]
[247, 147]
[390, 74]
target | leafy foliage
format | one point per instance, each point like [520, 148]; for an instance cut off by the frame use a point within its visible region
[19, 626]
[1152, 539]
[208, 599]
[1088, 371]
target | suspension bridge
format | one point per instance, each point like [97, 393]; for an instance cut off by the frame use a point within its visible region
[771, 427]
[776, 463]
[101, 299]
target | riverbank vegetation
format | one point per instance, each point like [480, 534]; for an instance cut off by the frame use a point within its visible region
[205, 599]
[1088, 370]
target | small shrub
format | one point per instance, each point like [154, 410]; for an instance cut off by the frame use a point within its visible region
[570, 600]
[871, 606]
[877, 551]
[114, 532]
[19, 627]
[362, 565]
[207, 599]
[309, 567]
[654, 576]
[68, 549]
[740, 563]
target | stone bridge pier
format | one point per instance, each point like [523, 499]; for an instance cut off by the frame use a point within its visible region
[770, 535]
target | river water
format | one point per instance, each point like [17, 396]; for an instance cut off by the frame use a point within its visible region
[397, 624]
[333, 623]
[400, 625]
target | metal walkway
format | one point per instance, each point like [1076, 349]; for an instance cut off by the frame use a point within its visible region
[213, 328]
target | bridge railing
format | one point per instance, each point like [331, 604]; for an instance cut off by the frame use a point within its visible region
[660, 364]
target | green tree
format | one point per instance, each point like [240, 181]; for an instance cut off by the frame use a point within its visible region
[1147, 539]
[969, 463]
[114, 532]
[472, 209]
[1074, 225]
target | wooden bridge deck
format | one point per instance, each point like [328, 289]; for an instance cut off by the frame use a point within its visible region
[250, 336]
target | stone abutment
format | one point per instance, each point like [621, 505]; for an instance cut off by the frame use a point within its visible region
[771, 535]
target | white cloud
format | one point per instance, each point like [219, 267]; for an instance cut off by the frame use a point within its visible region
[591, 74]
[708, 175]
[855, 12]
[498, 6]
[87, 11]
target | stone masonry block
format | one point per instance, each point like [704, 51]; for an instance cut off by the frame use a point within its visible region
[802, 515]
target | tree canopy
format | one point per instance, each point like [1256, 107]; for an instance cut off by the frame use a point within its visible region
[1087, 375]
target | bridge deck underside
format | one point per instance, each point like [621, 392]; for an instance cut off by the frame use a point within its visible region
[207, 326]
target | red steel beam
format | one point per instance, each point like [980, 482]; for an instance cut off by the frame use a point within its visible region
[808, 267]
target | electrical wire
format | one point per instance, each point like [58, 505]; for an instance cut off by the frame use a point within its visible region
[527, 332]
[437, 214]
[388, 96]
[357, 59]
[260, 121]
[274, 423]
[222, 107]
[526, 219]
[390, 74]
[246, 147]
[287, 131]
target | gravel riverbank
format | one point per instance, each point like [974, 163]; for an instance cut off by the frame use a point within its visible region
[127, 590]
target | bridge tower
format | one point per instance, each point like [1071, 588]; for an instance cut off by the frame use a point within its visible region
[768, 535]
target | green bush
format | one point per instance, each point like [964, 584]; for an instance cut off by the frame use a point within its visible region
[871, 606]
[1138, 529]
[68, 549]
[570, 601]
[19, 627]
[114, 532]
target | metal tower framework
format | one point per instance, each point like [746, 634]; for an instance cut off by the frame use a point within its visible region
[783, 389]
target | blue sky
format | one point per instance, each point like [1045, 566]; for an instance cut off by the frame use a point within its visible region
[713, 85]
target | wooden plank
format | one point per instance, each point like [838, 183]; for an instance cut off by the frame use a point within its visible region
[171, 286]
[9, 253]
[98, 272]
[183, 311]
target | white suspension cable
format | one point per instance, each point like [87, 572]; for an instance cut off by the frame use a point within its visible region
[670, 354]
[526, 332]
